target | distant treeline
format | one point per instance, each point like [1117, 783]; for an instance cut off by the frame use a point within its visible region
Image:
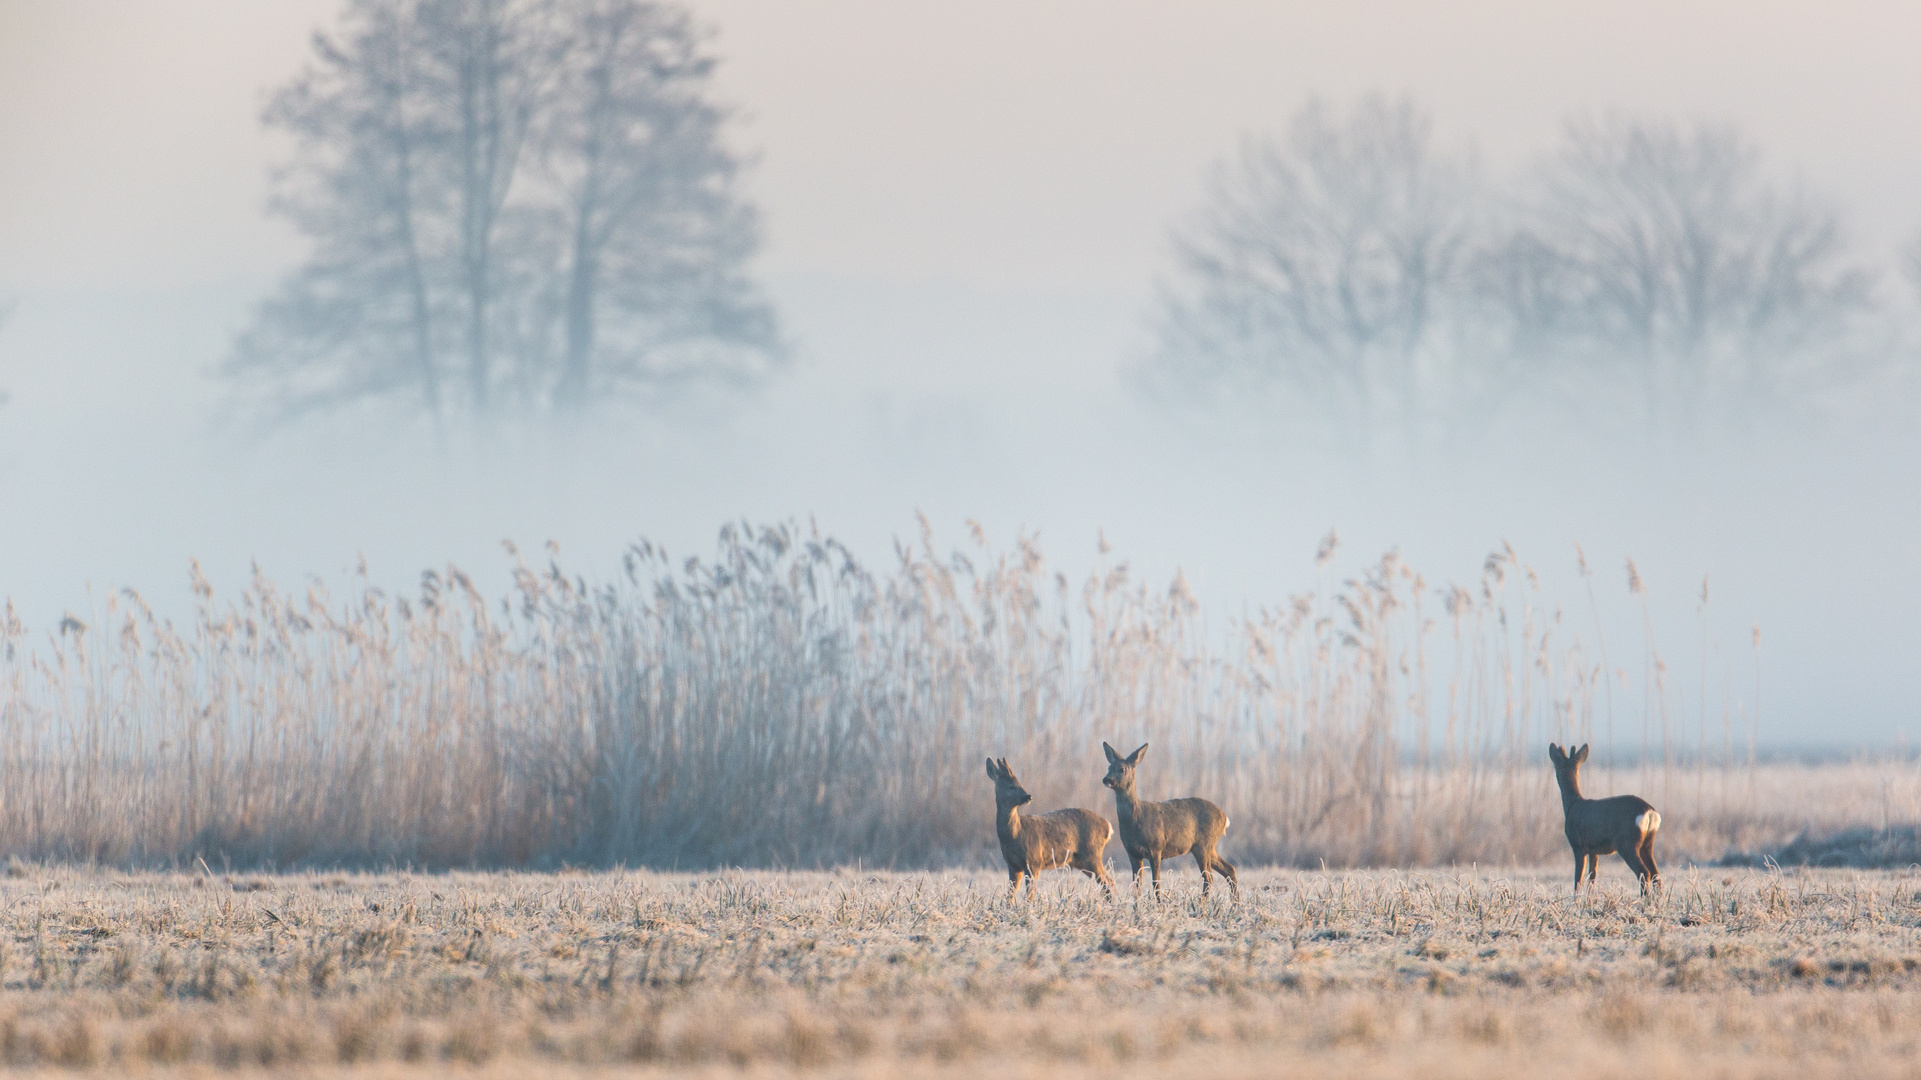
[529, 207]
[1642, 270]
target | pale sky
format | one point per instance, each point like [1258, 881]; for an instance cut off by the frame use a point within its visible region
[994, 143]
[966, 205]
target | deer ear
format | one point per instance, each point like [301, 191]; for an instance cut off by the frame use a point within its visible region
[1112, 757]
[1581, 754]
[1007, 773]
[991, 774]
[1554, 753]
[1135, 757]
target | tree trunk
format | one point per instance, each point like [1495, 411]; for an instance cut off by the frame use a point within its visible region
[480, 148]
[473, 232]
[416, 280]
[583, 281]
[571, 393]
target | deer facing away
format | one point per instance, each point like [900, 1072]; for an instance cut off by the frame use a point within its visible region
[1597, 827]
[1152, 831]
[1030, 844]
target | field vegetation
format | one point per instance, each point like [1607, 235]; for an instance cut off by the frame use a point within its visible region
[1431, 973]
[783, 705]
[731, 814]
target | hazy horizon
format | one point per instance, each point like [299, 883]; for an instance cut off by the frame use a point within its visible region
[966, 212]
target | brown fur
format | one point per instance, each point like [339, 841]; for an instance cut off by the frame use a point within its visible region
[1070, 837]
[1597, 827]
[1152, 831]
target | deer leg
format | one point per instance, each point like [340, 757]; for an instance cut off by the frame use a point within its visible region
[1092, 868]
[1100, 875]
[1014, 883]
[1135, 881]
[1227, 871]
[1200, 860]
[1647, 859]
[1593, 867]
[1633, 859]
[1580, 860]
[1154, 864]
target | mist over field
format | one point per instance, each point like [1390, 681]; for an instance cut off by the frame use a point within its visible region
[1807, 533]
[965, 259]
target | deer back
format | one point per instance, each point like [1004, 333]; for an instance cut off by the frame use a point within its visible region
[1619, 821]
[1057, 839]
[1174, 827]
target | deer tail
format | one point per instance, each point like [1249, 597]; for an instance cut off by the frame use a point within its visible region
[1649, 822]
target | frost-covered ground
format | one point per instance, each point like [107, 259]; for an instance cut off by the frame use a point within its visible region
[1430, 973]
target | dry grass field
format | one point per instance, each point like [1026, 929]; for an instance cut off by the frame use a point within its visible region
[1388, 973]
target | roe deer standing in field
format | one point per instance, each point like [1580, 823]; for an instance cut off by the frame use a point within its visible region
[1071, 837]
[1597, 827]
[1152, 831]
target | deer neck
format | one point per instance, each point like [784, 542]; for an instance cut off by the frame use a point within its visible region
[1570, 782]
[1009, 825]
[1126, 803]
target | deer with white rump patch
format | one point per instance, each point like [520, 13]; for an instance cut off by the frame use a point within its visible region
[1071, 837]
[1152, 831]
[1597, 827]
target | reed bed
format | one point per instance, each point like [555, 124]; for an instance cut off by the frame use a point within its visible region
[783, 705]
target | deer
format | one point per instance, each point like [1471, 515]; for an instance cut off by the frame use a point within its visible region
[1071, 837]
[1597, 827]
[1152, 831]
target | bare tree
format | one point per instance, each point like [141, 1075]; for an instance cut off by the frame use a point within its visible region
[1651, 255]
[361, 319]
[487, 64]
[654, 239]
[1324, 262]
[512, 203]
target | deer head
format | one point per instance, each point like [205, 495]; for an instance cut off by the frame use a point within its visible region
[1120, 770]
[1564, 760]
[1567, 767]
[1008, 791]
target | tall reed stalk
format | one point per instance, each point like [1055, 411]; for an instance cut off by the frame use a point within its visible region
[784, 705]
